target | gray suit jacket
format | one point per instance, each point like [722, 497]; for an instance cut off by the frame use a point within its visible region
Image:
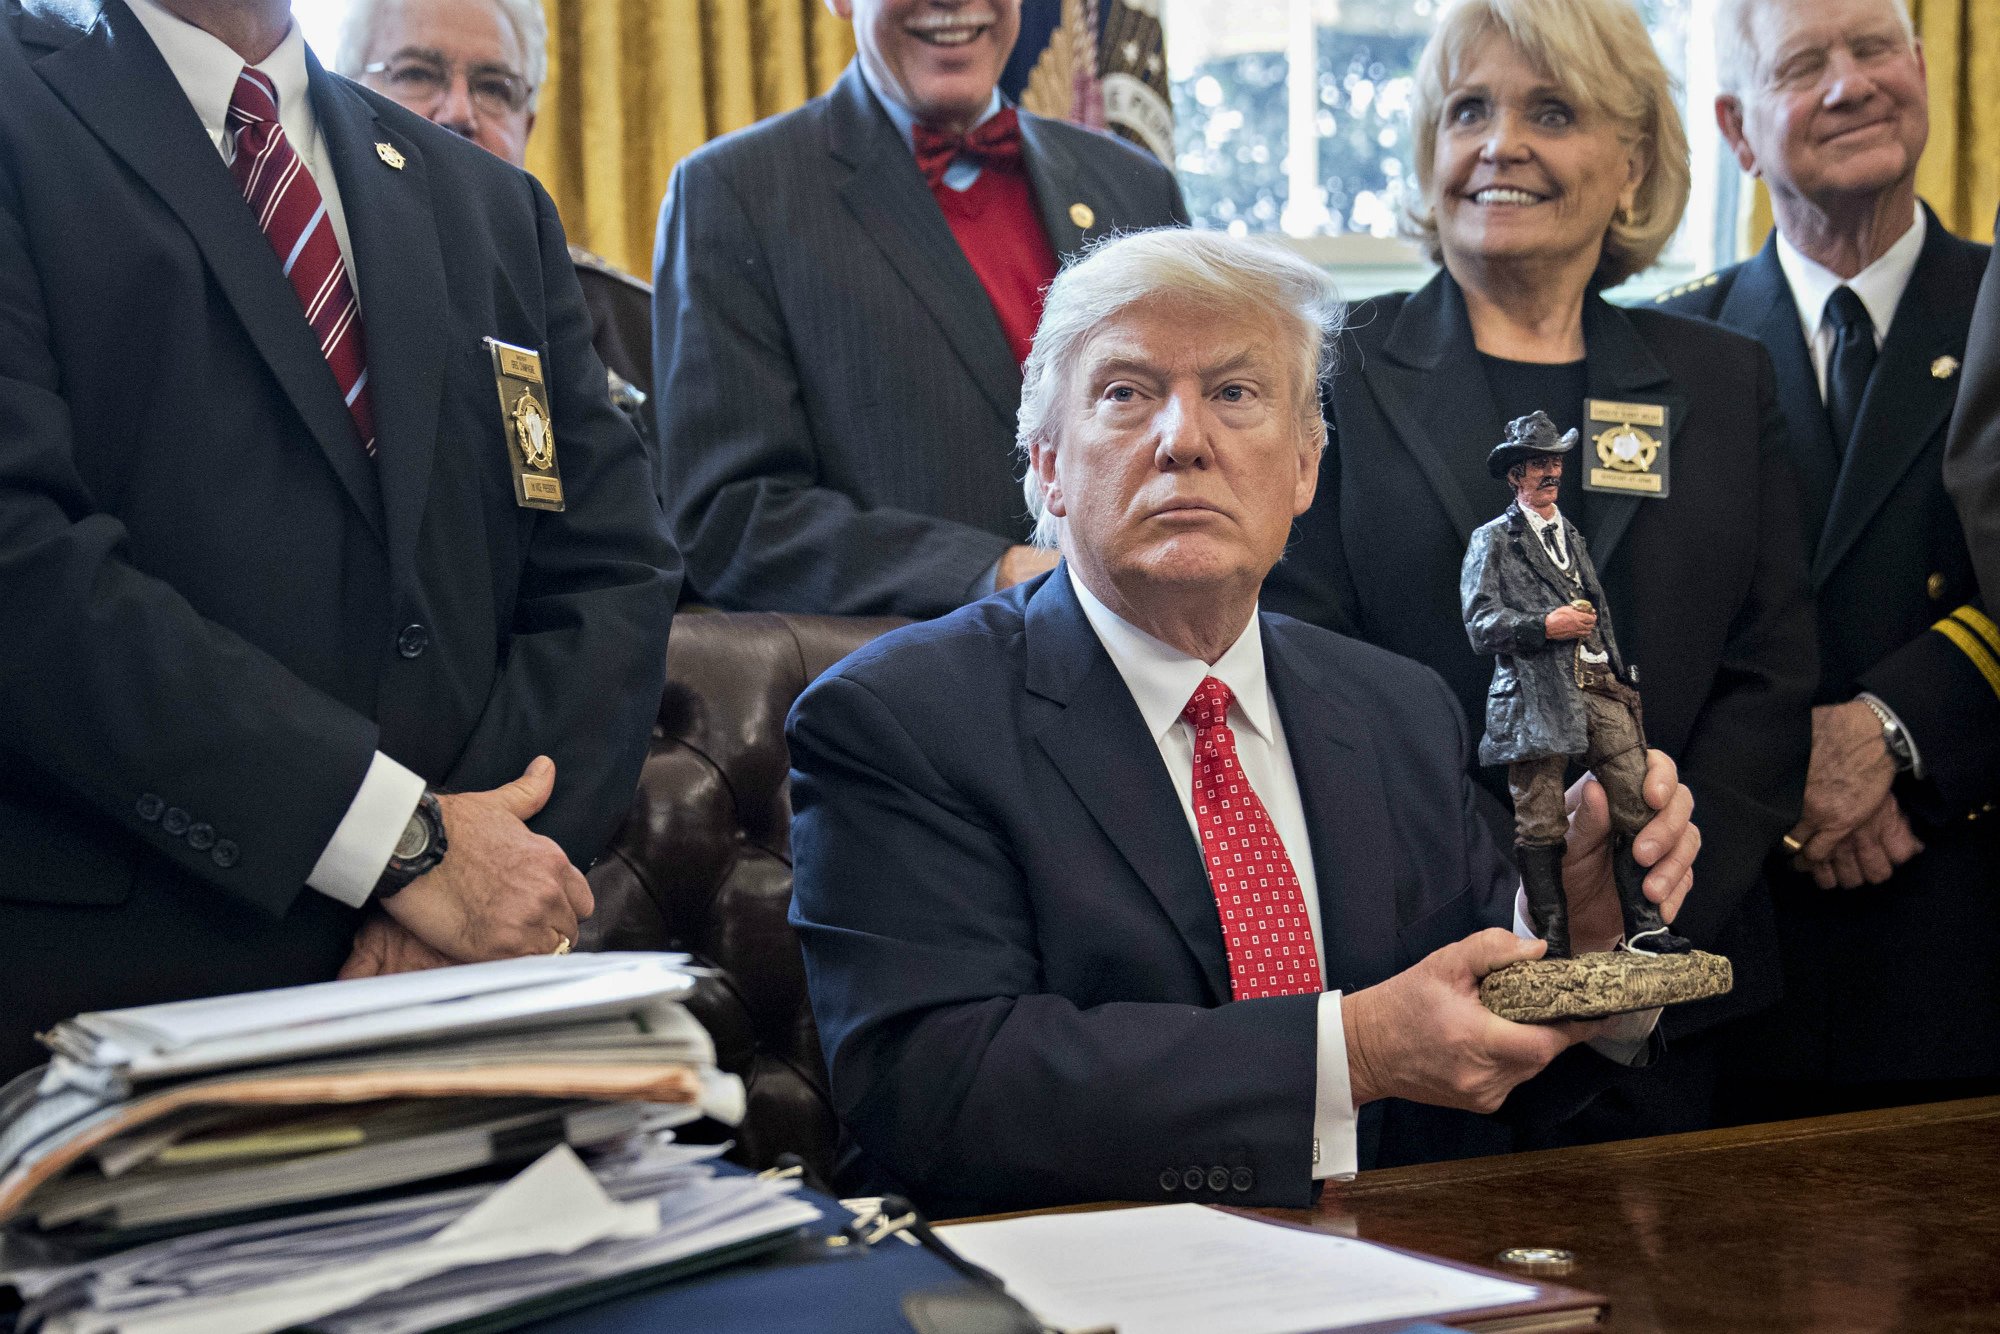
[836, 397]
[1972, 459]
[1509, 584]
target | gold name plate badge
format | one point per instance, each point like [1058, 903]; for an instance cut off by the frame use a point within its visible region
[525, 420]
[1630, 440]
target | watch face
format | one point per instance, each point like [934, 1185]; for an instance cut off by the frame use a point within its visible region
[416, 837]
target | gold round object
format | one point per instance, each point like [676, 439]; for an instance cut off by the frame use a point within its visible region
[1551, 1261]
[1082, 215]
[1935, 586]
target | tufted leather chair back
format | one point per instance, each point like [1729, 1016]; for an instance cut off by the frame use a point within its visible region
[703, 862]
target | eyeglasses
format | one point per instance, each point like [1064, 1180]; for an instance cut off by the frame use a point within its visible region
[420, 83]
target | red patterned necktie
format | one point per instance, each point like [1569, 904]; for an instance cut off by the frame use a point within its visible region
[280, 191]
[1264, 923]
[996, 140]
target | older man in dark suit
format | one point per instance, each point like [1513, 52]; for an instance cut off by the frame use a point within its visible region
[844, 298]
[1111, 887]
[1891, 918]
[283, 649]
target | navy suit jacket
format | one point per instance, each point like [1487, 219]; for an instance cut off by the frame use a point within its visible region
[836, 396]
[218, 609]
[1900, 981]
[1013, 950]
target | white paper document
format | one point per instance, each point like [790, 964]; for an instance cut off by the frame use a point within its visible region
[1189, 1269]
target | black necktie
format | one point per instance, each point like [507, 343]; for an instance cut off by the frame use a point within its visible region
[1549, 541]
[1848, 369]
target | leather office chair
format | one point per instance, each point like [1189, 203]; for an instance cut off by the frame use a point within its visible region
[703, 860]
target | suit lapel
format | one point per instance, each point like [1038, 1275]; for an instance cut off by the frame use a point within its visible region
[116, 82]
[1099, 743]
[1906, 406]
[1054, 174]
[393, 231]
[1620, 365]
[1761, 304]
[1433, 330]
[893, 205]
[1347, 817]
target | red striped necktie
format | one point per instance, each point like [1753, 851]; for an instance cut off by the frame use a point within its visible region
[1257, 894]
[289, 208]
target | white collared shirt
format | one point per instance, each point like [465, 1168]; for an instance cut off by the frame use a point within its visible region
[207, 70]
[1560, 552]
[1162, 679]
[1880, 287]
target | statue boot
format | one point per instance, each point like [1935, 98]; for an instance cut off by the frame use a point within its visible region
[1548, 905]
[1642, 915]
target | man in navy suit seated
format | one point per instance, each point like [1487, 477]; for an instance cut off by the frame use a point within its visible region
[1112, 887]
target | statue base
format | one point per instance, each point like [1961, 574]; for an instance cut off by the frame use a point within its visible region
[1592, 986]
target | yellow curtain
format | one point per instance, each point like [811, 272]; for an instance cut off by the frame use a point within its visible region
[1960, 172]
[636, 85]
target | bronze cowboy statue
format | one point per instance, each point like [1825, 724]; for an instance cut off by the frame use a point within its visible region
[1561, 690]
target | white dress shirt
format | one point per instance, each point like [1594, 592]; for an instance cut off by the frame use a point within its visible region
[207, 70]
[1560, 554]
[1161, 679]
[1880, 286]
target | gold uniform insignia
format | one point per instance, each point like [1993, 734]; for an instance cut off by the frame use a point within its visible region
[1631, 441]
[1082, 215]
[388, 153]
[529, 431]
[1944, 368]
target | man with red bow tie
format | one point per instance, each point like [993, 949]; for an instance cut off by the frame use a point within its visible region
[844, 297]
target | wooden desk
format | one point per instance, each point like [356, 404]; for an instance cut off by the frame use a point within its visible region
[1877, 1221]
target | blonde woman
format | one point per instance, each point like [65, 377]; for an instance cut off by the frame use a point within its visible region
[1552, 165]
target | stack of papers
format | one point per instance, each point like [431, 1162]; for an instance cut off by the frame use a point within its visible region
[261, 1161]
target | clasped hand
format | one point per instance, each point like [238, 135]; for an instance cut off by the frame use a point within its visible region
[1424, 1035]
[1852, 830]
[501, 891]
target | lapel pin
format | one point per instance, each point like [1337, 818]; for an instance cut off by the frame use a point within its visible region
[1082, 216]
[1944, 368]
[388, 153]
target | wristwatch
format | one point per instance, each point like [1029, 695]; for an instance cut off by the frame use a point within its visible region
[418, 851]
[1901, 754]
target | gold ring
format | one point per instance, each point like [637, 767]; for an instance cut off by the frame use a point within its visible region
[562, 945]
[1793, 845]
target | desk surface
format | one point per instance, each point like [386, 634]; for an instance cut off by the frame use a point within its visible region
[1877, 1221]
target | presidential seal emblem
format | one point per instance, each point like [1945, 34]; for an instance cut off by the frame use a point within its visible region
[533, 434]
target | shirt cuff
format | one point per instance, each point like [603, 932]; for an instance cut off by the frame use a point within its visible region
[359, 850]
[1916, 756]
[1334, 1143]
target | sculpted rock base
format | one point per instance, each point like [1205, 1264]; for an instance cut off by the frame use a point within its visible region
[1596, 985]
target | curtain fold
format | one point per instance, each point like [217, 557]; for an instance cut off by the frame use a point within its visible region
[1960, 172]
[636, 85]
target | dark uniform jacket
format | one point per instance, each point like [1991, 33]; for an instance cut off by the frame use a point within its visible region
[1900, 981]
[218, 608]
[1708, 585]
[1508, 587]
[836, 396]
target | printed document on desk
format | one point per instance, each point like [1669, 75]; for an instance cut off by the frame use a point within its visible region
[1190, 1269]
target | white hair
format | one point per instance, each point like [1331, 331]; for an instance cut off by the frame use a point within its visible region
[531, 29]
[1223, 275]
[1738, 63]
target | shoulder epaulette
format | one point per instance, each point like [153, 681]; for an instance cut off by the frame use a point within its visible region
[1693, 286]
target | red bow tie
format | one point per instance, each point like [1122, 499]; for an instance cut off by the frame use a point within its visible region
[997, 140]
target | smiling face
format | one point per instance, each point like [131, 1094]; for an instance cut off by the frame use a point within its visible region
[941, 59]
[1835, 106]
[1522, 171]
[1180, 459]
